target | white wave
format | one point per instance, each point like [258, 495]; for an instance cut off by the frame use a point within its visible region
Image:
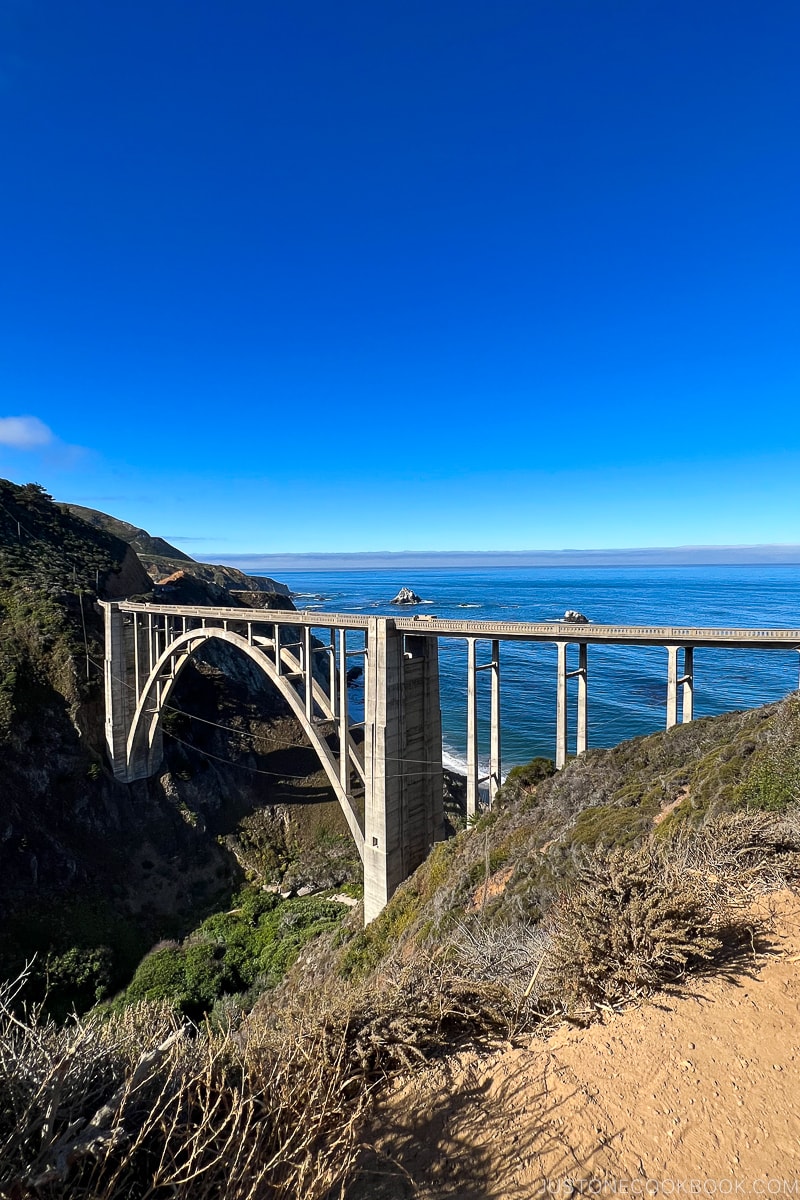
[457, 763]
[454, 762]
[470, 606]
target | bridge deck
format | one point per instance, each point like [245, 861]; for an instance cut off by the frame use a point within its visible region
[552, 631]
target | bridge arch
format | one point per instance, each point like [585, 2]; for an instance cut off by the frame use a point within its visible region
[142, 742]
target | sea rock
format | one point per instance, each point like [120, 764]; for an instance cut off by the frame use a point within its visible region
[406, 596]
[571, 617]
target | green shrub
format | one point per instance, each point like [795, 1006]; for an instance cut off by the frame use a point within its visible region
[370, 945]
[159, 976]
[608, 825]
[79, 977]
[532, 773]
[772, 785]
[254, 943]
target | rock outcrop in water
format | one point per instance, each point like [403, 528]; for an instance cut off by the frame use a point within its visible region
[406, 596]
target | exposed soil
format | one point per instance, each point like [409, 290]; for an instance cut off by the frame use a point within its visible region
[696, 1085]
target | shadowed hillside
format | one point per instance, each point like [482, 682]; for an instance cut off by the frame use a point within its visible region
[93, 872]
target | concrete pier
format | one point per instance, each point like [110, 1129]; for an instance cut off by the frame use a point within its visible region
[685, 682]
[472, 730]
[495, 763]
[561, 704]
[404, 809]
[562, 711]
[474, 778]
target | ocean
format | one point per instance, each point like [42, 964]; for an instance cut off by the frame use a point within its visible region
[627, 684]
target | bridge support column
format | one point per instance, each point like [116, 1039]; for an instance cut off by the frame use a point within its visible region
[583, 699]
[561, 706]
[672, 686]
[403, 814]
[688, 684]
[117, 709]
[125, 662]
[494, 735]
[307, 662]
[472, 730]
[141, 653]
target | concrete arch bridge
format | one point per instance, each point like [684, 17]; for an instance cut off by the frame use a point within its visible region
[389, 782]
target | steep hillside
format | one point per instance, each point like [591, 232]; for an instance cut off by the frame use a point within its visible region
[92, 872]
[44, 547]
[509, 868]
[162, 560]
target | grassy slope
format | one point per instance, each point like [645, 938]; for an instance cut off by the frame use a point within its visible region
[514, 861]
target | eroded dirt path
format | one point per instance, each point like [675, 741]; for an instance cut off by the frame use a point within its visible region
[702, 1086]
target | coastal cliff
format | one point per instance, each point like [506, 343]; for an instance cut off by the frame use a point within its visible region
[162, 560]
[92, 872]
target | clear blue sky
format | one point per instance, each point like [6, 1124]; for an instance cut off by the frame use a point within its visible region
[289, 275]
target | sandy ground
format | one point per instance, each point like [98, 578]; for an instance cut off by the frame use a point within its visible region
[692, 1093]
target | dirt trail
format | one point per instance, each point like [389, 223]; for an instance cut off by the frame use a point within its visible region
[701, 1086]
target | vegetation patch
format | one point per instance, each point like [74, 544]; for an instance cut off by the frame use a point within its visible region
[626, 926]
[238, 953]
[520, 780]
[608, 825]
[370, 945]
[79, 952]
[140, 1105]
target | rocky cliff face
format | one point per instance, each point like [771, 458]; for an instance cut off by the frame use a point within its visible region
[162, 560]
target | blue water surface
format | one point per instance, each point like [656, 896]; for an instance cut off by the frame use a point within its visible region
[627, 684]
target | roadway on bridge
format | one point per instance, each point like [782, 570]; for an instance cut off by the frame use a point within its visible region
[551, 631]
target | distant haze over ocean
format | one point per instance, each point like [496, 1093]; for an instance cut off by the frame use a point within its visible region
[657, 556]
